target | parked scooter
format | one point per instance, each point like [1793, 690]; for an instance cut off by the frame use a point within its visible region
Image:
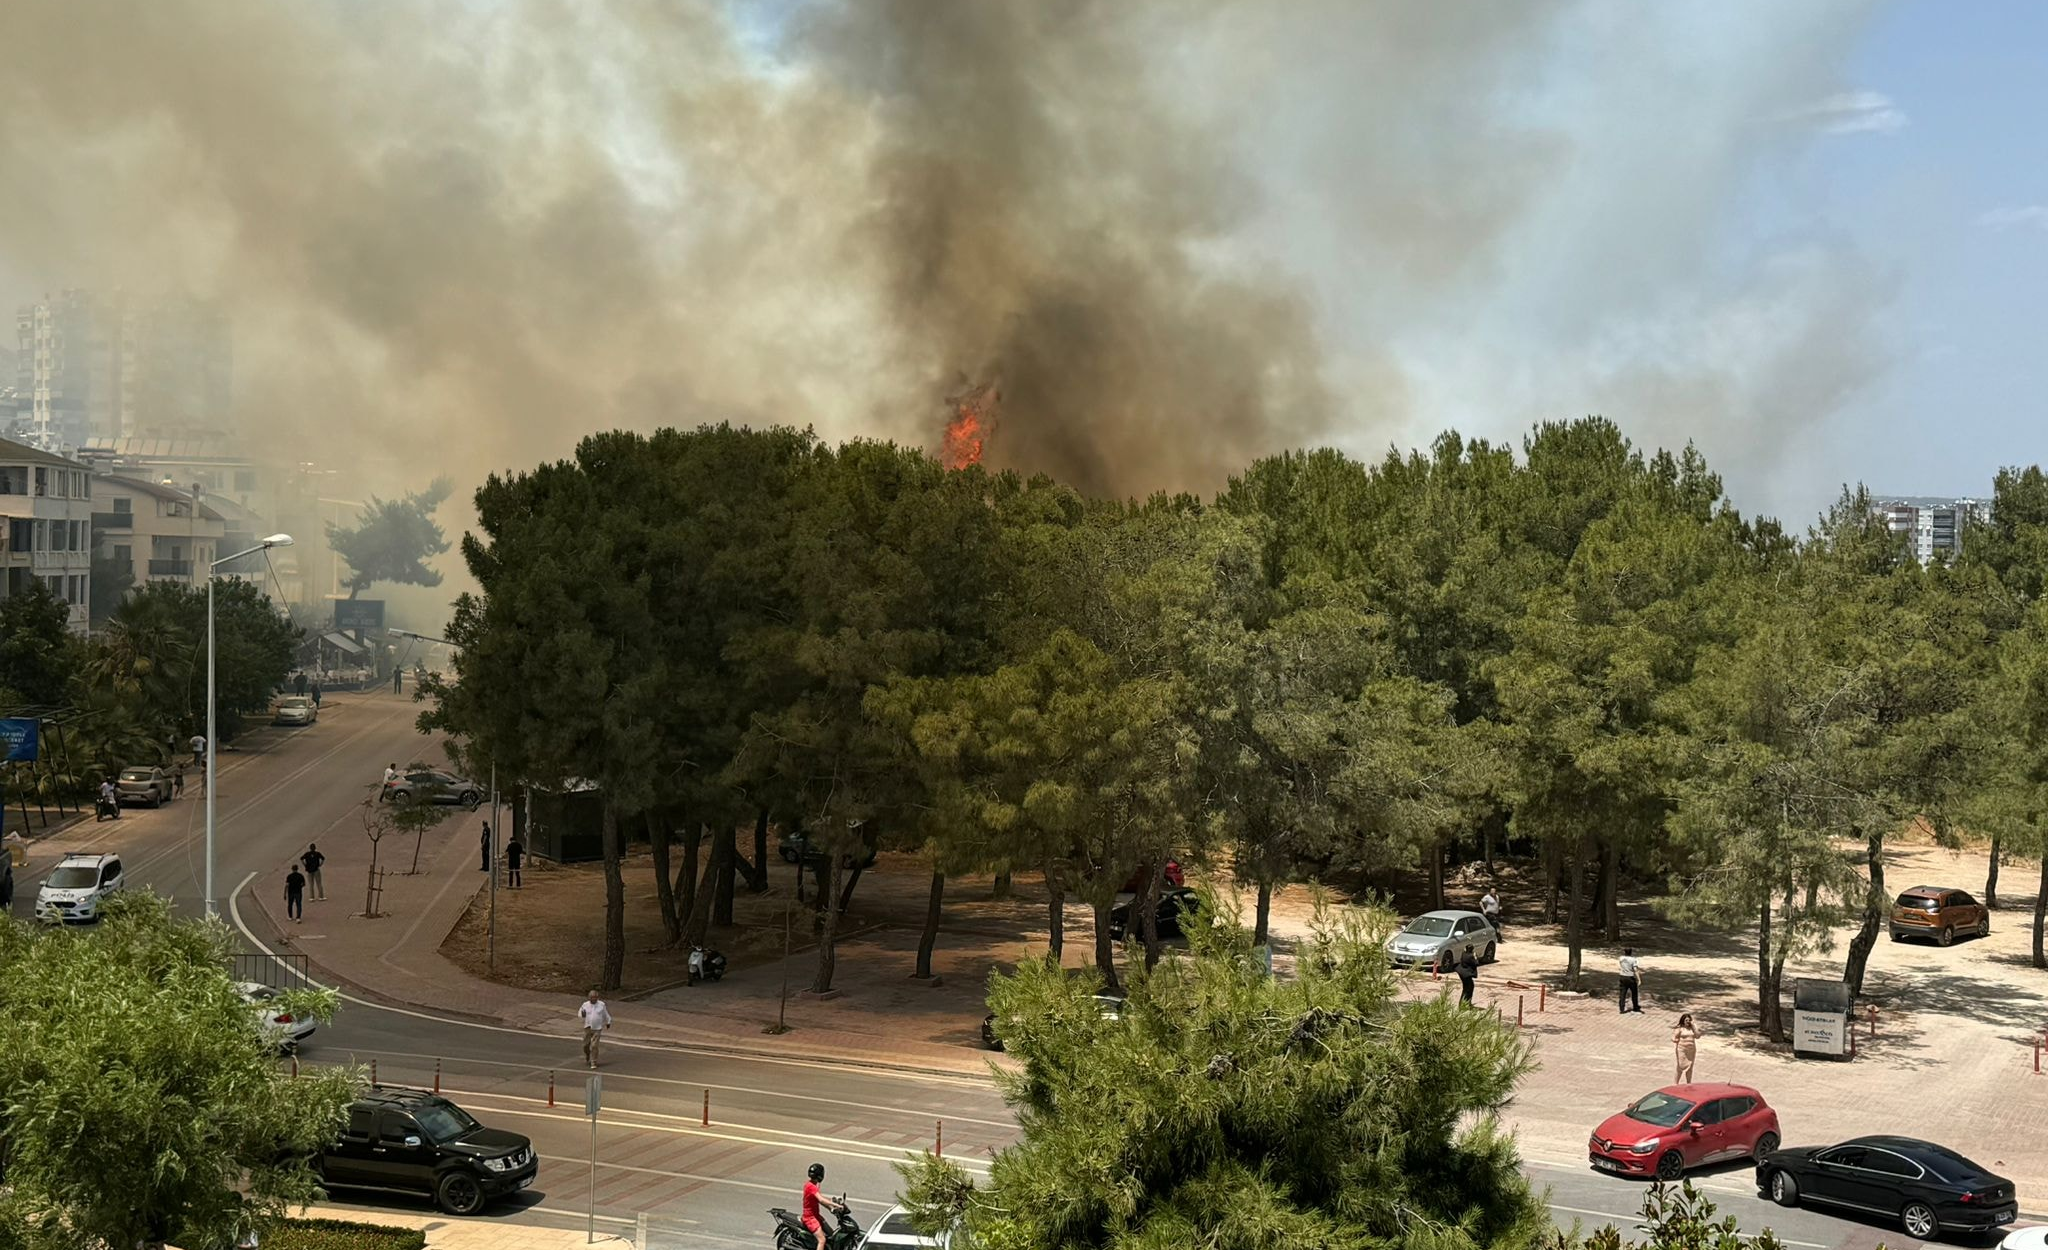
[790, 1233]
[706, 965]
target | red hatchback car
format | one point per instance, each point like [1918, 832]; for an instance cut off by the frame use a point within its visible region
[1684, 1126]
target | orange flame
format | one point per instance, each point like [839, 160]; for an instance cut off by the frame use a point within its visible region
[967, 430]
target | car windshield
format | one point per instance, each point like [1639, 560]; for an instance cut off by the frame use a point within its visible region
[259, 993]
[1428, 926]
[74, 877]
[135, 774]
[1662, 1110]
[294, 702]
[443, 1121]
[1919, 902]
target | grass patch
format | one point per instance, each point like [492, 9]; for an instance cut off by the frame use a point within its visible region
[324, 1234]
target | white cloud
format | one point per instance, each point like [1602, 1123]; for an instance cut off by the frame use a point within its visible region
[2016, 217]
[1855, 112]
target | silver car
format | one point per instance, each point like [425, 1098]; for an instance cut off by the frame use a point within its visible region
[296, 709]
[1430, 936]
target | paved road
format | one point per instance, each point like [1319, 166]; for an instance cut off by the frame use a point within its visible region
[655, 1153]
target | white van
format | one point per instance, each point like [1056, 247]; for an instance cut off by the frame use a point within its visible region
[76, 887]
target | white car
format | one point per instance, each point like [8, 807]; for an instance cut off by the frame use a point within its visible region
[295, 709]
[77, 886]
[1431, 937]
[893, 1232]
[279, 1026]
[2034, 1238]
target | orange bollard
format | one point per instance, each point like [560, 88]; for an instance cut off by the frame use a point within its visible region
[939, 1144]
[551, 1087]
[437, 1076]
[2037, 1058]
[707, 1108]
[1520, 999]
[373, 1074]
[1542, 997]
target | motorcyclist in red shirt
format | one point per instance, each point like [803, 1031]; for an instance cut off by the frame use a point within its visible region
[812, 1220]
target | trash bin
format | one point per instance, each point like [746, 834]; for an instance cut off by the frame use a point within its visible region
[1820, 1018]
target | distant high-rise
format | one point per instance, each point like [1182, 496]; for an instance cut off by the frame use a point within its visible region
[1932, 526]
[90, 366]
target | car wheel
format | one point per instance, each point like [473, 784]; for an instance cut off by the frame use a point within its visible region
[788, 856]
[1784, 1190]
[1984, 926]
[1898, 937]
[1919, 1220]
[470, 799]
[459, 1193]
[1764, 1146]
[1670, 1166]
[1948, 936]
[1489, 953]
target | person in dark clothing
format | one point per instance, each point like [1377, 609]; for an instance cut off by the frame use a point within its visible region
[295, 894]
[515, 852]
[1468, 974]
[178, 780]
[299, 683]
[485, 842]
[1631, 981]
[316, 696]
[311, 861]
[397, 676]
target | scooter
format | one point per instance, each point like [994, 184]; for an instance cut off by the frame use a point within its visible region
[106, 809]
[790, 1233]
[707, 965]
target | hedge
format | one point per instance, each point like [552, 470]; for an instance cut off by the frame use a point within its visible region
[325, 1234]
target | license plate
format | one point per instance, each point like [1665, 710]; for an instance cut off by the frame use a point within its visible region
[2005, 1217]
[524, 1181]
[1606, 1165]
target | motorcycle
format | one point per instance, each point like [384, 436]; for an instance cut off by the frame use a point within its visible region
[706, 965]
[105, 809]
[790, 1233]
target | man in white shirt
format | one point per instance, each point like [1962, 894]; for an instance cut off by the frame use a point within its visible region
[1631, 981]
[199, 750]
[1489, 907]
[596, 1019]
[390, 775]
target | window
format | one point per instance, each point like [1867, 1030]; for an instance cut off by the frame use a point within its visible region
[1890, 1164]
[1710, 1113]
[1736, 1108]
[124, 555]
[112, 870]
[1843, 1156]
[21, 535]
[1960, 899]
[42, 480]
[392, 1126]
[123, 506]
[360, 1122]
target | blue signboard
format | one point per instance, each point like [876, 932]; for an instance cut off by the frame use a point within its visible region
[18, 739]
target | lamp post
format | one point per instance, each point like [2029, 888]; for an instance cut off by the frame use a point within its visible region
[275, 540]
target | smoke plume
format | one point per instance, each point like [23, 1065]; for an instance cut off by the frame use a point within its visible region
[1177, 234]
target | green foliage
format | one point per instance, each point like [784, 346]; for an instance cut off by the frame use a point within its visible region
[143, 1102]
[1678, 1219]
[393, 540]
[37, 649]
[325, 1234]
[1224, 1107]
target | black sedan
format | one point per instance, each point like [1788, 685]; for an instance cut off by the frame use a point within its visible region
[1927, 1188]
[1173, 905]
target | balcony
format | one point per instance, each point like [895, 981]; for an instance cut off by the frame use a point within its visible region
[113, 520]
[170, 568]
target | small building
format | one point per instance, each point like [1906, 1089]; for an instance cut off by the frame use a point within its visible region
[154, 531]
[46, 526]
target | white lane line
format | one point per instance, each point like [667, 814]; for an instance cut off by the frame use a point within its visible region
[727, 1089]
[674, 1048]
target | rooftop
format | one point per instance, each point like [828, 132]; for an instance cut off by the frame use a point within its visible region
[12, 452]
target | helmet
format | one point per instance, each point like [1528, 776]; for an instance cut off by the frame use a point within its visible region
[817, 1172]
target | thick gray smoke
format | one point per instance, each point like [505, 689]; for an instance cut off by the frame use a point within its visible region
[458, 235]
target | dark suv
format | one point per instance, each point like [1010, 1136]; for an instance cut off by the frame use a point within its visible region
[414, 1142]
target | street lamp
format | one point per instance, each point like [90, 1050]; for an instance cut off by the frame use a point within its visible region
[275, 540]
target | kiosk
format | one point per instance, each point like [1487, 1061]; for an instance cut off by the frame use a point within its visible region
[1820, 1018]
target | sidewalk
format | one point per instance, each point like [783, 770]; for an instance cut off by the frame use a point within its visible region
[396, 957]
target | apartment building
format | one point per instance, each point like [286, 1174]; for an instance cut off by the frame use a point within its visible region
[1932, 526]
[46, 526]
[155, 531]
[91, 365]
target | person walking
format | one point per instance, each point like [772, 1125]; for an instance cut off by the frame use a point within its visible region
[1489, 907]
[178, 780]
[515, 853]
[1468, 975]
[390, 775]
[316, 696]
[199, 751]
[295, 895]
[1631, 997]
[397, 676]
[299, 682]
[485, 843]
[312, 860]
[596, 1019]
[1686, 1039]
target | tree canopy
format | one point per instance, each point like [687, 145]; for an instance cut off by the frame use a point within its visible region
[393, 540]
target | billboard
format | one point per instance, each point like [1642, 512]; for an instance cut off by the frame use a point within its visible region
[19, 737]
[358, 614]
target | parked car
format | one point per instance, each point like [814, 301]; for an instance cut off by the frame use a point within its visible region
[78, 887]
[1175, 878]
[894, 1232]
[432, 785]
[1928, 1189]
[794, 845]
[142, 783]
[1173, 904]
[1110, 1005]
[1435, 937]
[410, 1141]
[1930, 911]
[284, 1031]
[295, 709]
[1680, 1127]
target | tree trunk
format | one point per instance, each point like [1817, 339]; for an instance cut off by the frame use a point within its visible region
[828, 955]
[1991, 877]
[1263, 912]
[757, 872]
[1056, 914]
[1486, 845]
[1148, 920]
[1436, 876]
[1552, 872]
[846, 892]
[824, 881]
[1574, 917]
[726, 854]
[2041, 916]
[1874, 905]
[1001, 889]
[1105, 954]
[930, 936]
[1777, 976]
[686, 872]
[658, 830]
[698, 926]
[1611, 900]
[1770, 1015]
[613, 974]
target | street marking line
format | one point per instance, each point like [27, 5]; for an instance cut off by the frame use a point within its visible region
[699, 1178]
[671, 1048]
[728, 1089]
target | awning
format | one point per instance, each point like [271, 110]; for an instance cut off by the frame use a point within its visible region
[344, 642]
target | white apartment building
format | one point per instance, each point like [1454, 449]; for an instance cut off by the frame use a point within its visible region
[46, 526]
[156, 531]
[1932, 526]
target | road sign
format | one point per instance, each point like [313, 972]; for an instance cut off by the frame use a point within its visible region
[358, 614]
[593, 1096]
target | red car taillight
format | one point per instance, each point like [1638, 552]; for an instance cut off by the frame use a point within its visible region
[284, 1018]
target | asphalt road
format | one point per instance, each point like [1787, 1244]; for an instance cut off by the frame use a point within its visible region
[702, 1183]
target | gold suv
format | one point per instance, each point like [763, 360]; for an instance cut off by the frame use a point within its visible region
[1929, 911]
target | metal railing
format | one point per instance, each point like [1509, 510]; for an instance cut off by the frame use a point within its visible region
[283, 971]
